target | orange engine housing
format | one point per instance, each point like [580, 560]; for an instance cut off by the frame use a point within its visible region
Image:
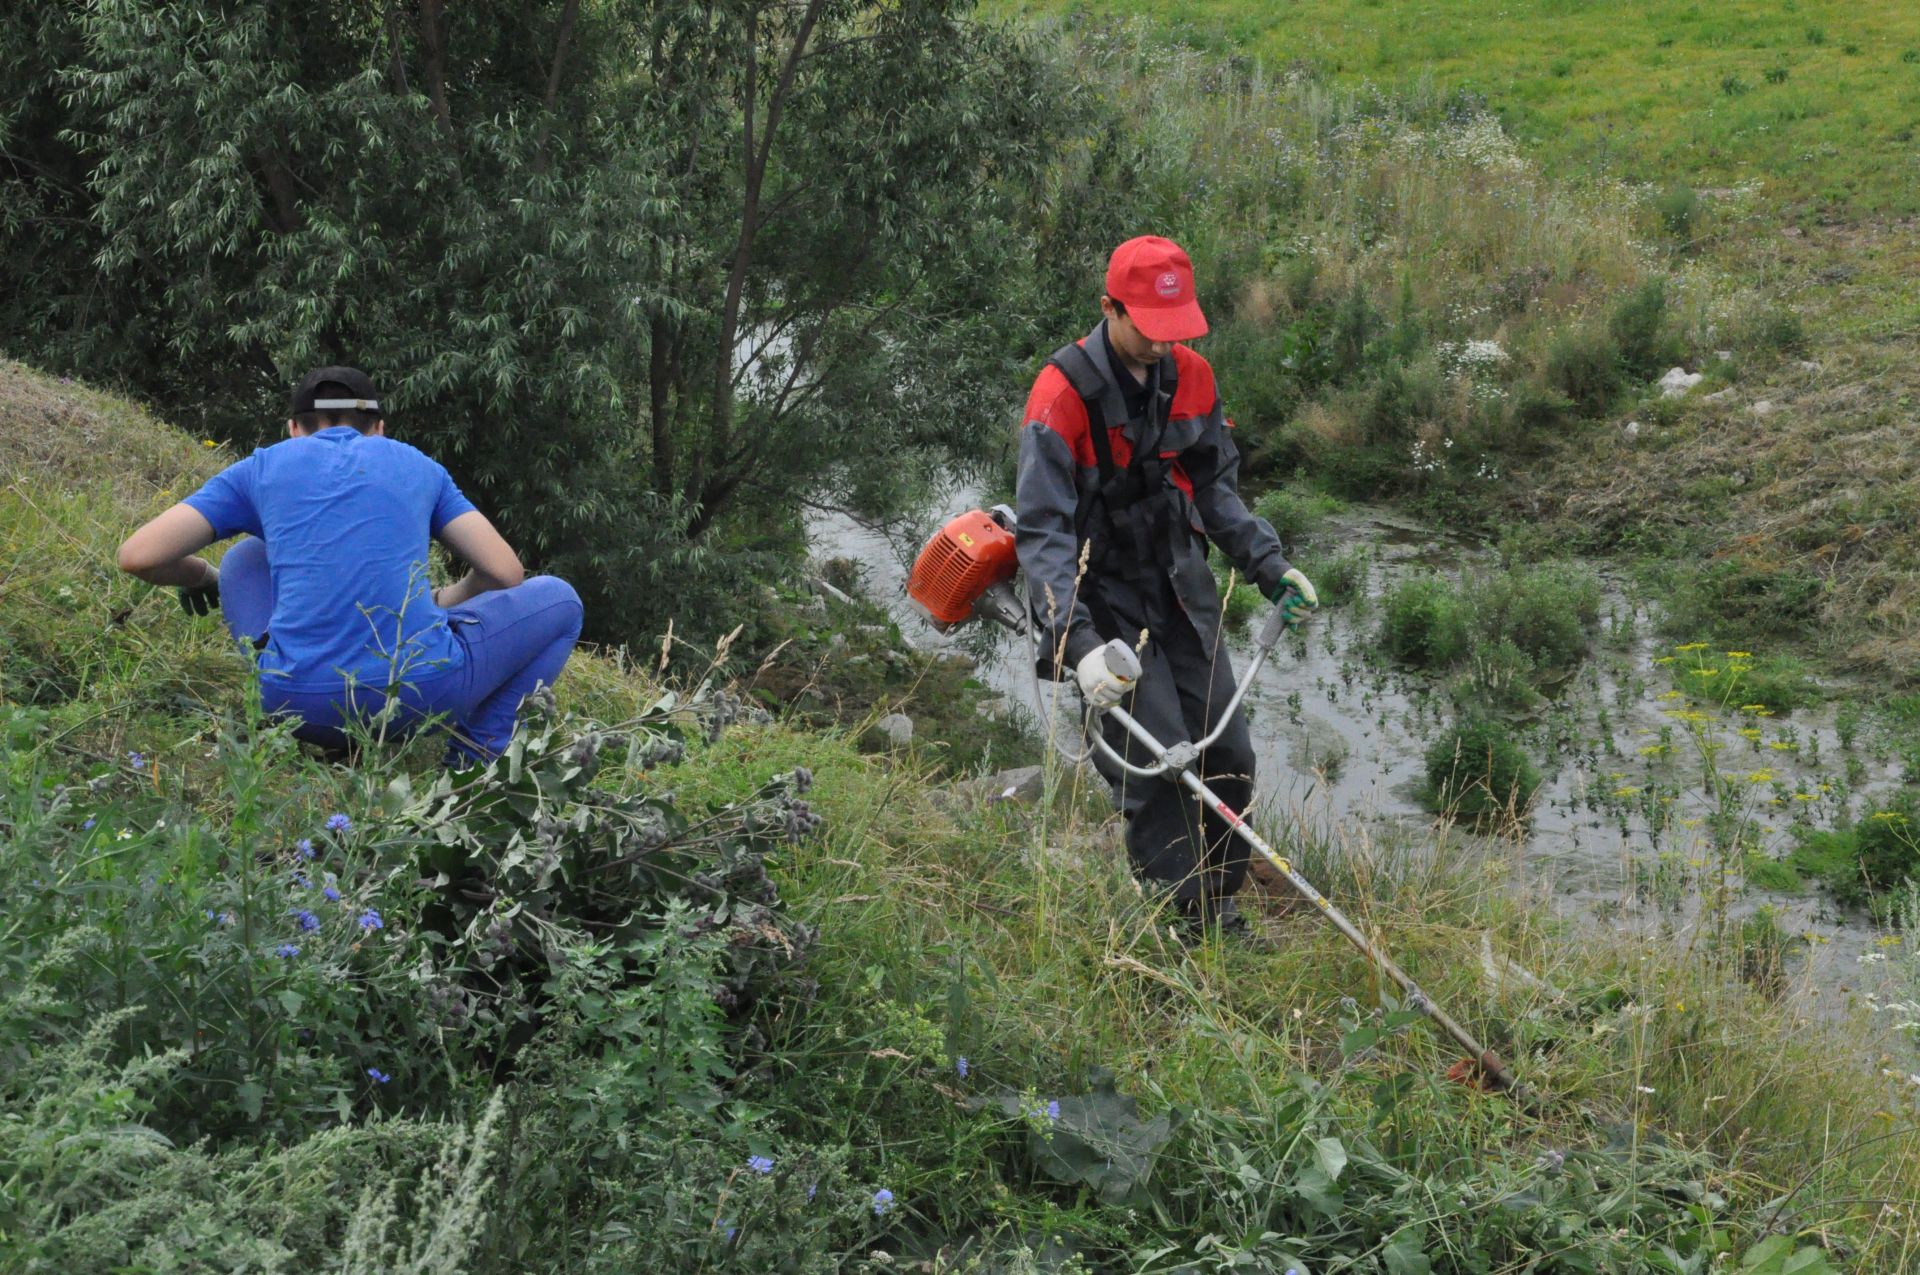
[965, 558]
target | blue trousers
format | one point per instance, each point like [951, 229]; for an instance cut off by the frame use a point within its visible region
[513, 642]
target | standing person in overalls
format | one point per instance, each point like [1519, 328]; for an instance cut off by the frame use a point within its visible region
[1126, 455]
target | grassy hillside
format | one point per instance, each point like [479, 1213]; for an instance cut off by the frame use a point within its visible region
[195, 1076]
[1818, 101]
[1361, 229]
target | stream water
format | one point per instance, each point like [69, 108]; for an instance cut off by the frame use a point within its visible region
[1620, 833]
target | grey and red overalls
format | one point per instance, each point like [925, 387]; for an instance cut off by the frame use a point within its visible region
[1147, 570]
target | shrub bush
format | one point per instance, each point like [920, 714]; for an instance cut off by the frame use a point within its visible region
[1638, 327]
[1340, 578]
[1583, 364]
[1498, 682]
[1678, 206]
[1295, 510]
[1546, 612]
[1476, 769]
[1426, 623]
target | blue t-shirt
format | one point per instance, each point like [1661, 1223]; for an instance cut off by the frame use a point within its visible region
[346, 518]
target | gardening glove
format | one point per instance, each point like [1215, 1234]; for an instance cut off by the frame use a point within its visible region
[1295, 597]
[202, 598]
[1107, 674]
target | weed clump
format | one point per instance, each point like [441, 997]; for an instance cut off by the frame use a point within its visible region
[1476, 769]
[1426, 623]
[1678, 207]
[1583, 365]
[1740, 600]
[1864, 861]
[1639, 329]
[1295, 510]
[1546, 612]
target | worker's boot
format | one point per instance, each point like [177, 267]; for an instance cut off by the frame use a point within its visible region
[1216, 915]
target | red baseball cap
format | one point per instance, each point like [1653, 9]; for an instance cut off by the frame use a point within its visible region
[1153, 278]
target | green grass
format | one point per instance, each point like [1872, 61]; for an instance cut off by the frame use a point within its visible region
[1631, 90]
[1301, 1100]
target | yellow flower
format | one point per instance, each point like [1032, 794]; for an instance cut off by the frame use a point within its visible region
[1890, 816]
[1672, 695]
[1625, 792]
[208, 442]
[1692, 646]
[1804, 796]
[1753, 708]
[1739, 655]
[1663, 659]
[1760, 777]
[1705, 672]
[1781, 746]
[1653, 750]
[1749, 732]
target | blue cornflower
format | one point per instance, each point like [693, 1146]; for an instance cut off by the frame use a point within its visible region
[760, 1164]
[732, 1230]
[812, 1187]
[88, 825]
[339, 823]
[330, 893]
[1053, 1109]
[960, 1065]
[308, 921]
[379, 1077]
[305, 847]
[300, 879]
[219, 918]
[288, 950]
[137, 761]
[370, 920]
[882, 1201]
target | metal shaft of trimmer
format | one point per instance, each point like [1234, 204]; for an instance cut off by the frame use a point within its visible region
[1487, 1060]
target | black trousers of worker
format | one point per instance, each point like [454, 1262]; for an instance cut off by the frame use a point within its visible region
[1185, 683]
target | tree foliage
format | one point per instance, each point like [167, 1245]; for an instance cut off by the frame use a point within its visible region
[641, 273]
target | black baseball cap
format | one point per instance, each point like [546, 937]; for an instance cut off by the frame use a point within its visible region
[359, 396]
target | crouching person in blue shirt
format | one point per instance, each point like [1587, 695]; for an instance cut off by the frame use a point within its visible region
[330, 585]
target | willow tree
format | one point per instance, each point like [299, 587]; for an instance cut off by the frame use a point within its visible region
[640, 272]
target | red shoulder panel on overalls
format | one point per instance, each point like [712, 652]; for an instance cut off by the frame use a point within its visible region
[1057, 405]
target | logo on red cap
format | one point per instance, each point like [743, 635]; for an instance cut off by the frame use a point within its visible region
[1167, 285]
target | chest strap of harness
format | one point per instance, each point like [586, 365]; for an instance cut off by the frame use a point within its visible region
[1146, 472]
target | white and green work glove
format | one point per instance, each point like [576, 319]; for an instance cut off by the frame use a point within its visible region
[1295, 597]
[1107, 674]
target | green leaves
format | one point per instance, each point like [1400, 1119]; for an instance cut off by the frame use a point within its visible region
[1780, 1255]
[1096, 1139]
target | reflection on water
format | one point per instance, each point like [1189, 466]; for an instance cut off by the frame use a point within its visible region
[1620, 834]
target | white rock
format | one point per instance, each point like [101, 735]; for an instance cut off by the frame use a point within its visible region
[1678, 381]
[1806, 365]
[897, 727]
[1720, 396]
[1725, 356]
[1633, 429]
[1765, 408]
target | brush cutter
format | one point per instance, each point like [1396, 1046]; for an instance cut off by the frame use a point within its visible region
[966, 572]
